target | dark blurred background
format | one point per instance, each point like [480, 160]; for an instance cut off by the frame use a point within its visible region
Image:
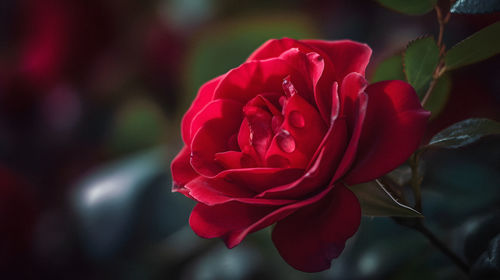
[91, 97]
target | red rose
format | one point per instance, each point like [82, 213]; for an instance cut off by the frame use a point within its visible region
[277, 139]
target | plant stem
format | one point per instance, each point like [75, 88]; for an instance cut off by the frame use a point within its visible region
[440, 68]
[418, 225]
[416, 179]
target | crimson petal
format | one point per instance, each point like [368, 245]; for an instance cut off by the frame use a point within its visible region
[302, 130]
[182, 172]
[347, 56]
[214, 128]
[275, 47]
[394, 126]
[216, 191]
[314, 235]
[253, 78]
[226, 220]
[223, 220]
[204, 96]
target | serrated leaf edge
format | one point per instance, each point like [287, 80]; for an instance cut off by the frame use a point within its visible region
[421, 37]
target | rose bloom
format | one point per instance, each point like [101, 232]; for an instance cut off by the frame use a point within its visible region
[278, 139]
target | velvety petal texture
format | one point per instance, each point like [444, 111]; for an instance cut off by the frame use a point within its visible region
[279, 139]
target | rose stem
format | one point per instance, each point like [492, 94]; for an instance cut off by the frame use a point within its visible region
[440, 68]
[416, 180]
[418, 225]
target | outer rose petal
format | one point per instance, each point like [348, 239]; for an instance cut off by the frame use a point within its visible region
[261, 178]
[222, 220]
[182, 172]
[213, 129]
[253, 78]
[275, 47]
[314, 235]
[394, 125]
[215, 191]
[347, 56]
[204, 96]
[355, 86]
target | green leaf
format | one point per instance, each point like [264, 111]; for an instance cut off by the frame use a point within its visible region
[479, 46]
[409, 7]
[439, 96]
[464, 133]
[475, 6]
[420, 61]
[376, 200]
[390, 69]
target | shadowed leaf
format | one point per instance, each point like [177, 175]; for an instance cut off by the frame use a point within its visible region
[464, 133]
[375, 200]
[409, 7]
[479, 46]
[439, 96]
[390, 69]
[420, 60]
[475, 6]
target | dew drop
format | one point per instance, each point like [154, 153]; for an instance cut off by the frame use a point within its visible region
[296, 119]
[285, 141]
[288, 87]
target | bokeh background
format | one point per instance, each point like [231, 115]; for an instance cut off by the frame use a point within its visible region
[91, 97]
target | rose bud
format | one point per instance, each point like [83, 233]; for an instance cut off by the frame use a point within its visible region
[278, 139]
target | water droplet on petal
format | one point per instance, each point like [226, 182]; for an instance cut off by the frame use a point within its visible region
[296, 119]
[285, 141]
[288, 87]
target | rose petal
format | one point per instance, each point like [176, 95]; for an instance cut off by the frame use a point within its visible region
[319, 174]
[235, 160]
[204, 96]
[309, 69]
[314, 235]
[347, 56]
[276, 47]
[182, 172]
[221, 109]
[350, 89]
[253, 78]
[223, 220]
[394, 126]
[325, 160]
[302, 138]
[261, 178]
[210, 139]
[351, 150]
[217, 191]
